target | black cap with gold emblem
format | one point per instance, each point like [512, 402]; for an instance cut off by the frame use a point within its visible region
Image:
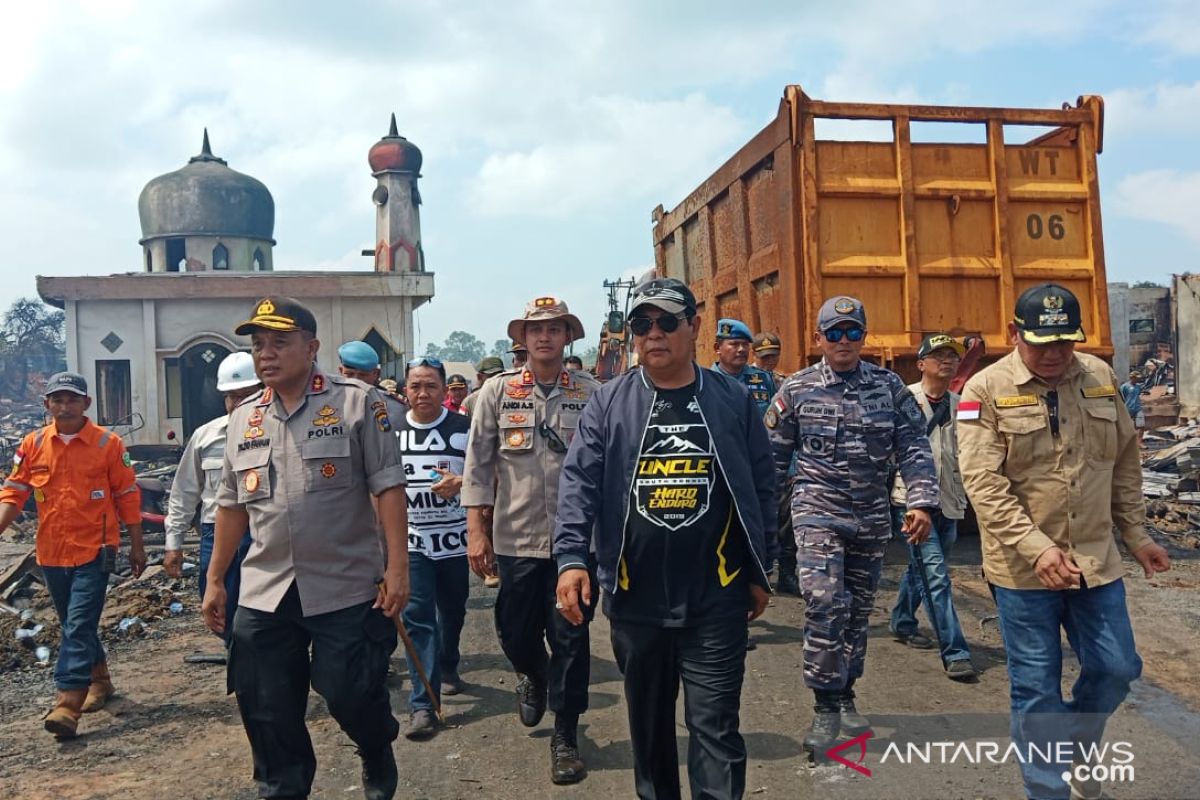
[1049, 313]
[278, 314]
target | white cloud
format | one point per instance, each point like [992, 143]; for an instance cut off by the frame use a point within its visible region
[1163, 196]
[1172, 24]
[1165, 108]
[622, 149]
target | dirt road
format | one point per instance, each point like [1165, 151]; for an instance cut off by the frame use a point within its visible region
[174, 733]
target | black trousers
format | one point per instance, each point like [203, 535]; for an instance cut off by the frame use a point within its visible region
[270, 668]
[526, 620]
[710, 660]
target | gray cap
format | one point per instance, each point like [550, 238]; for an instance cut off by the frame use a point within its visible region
[671, 295]
[841, 309]
[66, 382]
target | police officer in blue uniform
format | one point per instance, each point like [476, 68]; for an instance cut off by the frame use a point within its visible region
[733, 359]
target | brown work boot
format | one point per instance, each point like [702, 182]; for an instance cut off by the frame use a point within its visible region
[63, 719]
[100, 690]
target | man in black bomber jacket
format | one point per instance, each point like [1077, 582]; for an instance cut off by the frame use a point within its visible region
[670, 477]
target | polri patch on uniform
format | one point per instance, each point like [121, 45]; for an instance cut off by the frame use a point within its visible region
[517, 419]
[253, 433]
[1016, 400]
[1108, 390]
[381, 421]
[318, 384]
[127, 459]
[328, 469]
[251, 481]
[516, 438]
[771, 418]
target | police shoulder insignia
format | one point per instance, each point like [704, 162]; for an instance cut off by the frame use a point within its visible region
[382, 421]
[126, 459]
[1107, 390]
[771, 418]
[1016, 400]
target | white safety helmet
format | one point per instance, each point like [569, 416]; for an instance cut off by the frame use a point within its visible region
[236, 372]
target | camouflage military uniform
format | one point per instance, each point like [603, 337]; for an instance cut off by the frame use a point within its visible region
[844, 433]
[758, 382]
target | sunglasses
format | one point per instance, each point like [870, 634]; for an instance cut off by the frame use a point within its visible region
[426, 361]
[553, 440]
[667, 323]
[851, 334]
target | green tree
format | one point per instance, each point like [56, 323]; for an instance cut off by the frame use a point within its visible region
[33, 335]
[500, 348]
[459, 346]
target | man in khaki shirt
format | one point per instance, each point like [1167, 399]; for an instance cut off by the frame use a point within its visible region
[302, 460]
[1049, 458]
[521, 425]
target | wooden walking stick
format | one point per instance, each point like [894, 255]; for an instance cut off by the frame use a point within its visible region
[411, 649]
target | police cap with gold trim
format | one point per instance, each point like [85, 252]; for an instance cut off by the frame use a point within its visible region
[1049, 313]
[278, 314]
[767, 344]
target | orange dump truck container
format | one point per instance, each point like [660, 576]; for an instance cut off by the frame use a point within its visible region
[931, 236]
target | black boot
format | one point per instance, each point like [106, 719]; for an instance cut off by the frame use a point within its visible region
[788, 583]
[565, 764]
[825, 725]
[853, 722]
[379, 774]
[531, 701]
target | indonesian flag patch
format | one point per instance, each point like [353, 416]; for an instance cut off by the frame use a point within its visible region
[968, 409]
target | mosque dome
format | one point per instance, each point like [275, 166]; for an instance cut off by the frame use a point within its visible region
[394, 153]
[206, 198]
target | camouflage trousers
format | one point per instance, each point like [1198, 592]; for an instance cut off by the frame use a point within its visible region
[839, 572]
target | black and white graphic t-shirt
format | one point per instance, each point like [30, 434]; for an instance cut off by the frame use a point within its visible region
[437, 528]
[685, 556]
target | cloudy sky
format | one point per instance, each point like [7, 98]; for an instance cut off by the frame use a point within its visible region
[550, 130]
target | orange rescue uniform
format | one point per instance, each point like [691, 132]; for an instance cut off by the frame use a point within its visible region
[82, 487]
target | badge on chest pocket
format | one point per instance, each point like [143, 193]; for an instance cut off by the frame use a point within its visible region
[253, 472]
